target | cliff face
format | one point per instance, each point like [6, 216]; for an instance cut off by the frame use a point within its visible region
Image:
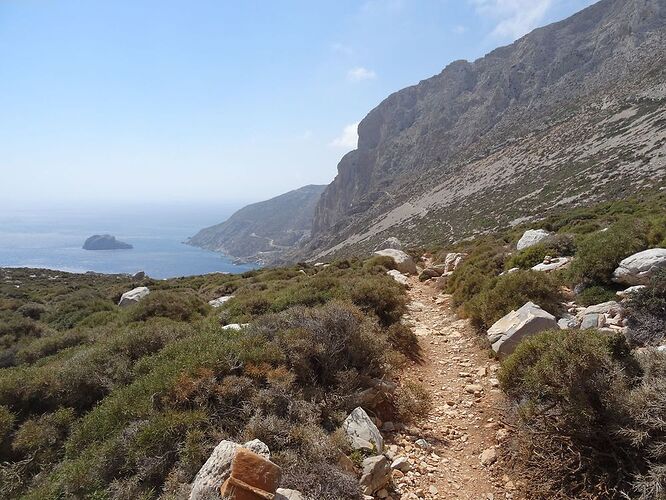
[264, 231]
[570, 114]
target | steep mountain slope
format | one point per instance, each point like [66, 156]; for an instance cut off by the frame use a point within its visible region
[570, 114]
[263, 231]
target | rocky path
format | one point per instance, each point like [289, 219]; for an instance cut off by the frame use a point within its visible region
[452, 454]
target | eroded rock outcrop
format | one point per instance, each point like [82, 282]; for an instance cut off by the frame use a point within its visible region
[403, 262]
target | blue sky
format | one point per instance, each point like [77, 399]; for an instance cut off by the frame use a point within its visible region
[212, 100]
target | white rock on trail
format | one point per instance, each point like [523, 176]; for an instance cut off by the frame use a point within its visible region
[361, 432]
[376, 474]
[507, 332]
[398, 276]
[403, 262]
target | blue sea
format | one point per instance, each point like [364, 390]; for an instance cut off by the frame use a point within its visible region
[52, 237]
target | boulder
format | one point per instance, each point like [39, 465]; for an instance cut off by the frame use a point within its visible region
[398, 276]
[376, 474]
[219, 301]
[391, 242]
[590, 321]
[361, 432]
[549, 264]
[133, 296]
[637, 269]
[452, 261]
[507, 332]
[625, 294]
[139, 275]
[235, 326]
[611, 307]
[429, 273]
[403, 262]
[286, 494]
[217, 469]
[531, 237]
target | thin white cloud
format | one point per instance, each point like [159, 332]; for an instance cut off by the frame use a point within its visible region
[360, 74]
[459, 29]
[348, 139]
[514, 18]
[341, 48]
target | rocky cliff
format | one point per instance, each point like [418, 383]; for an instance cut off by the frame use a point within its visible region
[264, 231]
[571, 114]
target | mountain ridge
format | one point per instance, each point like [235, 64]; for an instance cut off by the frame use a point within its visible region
[598, 73]
[262, 232]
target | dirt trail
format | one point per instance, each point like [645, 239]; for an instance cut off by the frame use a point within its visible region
[463, 428]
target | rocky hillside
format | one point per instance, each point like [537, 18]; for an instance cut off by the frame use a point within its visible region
[264, 231]
[572, 114]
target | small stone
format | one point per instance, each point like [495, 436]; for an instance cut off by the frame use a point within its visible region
[489, 456]
[473, 388]
[423, 444]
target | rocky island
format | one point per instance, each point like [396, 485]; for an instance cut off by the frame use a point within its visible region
[105, 242]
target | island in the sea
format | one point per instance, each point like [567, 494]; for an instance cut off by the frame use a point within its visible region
[105, 242]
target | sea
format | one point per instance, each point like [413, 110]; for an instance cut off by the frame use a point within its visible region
[52, 238]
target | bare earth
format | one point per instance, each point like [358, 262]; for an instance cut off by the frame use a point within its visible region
[465, 421]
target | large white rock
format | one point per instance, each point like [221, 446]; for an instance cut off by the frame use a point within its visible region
[133, 296]
[531, 237]
[398, 276]
[452, 261]
[220, 301]
[509, 331]
[216, 470]
[637, 269]
[361, 432]
[403, 262]
[625, 294]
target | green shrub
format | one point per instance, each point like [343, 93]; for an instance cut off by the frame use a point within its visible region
[595, 295]
[580, 421]
[506, 293]
[74, 308]
[381, 296]
[484, 262]
[178, 305]
[646, 311]
[600, 253]
[412, 401]
[7, 419]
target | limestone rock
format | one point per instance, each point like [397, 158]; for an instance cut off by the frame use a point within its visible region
[361, 432]
[133, 296]
[235, 326]
[531, 237]
[402, 464]
[507, 332]
[625, 294]
[286, 494]
[549, 265]
[403, 262]
[217, 469]
[452, 261]
[398, 276]
[376, 474]
[489, 456]
[637, 269]
[220, 301]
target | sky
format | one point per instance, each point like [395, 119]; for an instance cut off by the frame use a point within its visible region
[178, 101]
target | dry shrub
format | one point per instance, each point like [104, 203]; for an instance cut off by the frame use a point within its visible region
[412, 401]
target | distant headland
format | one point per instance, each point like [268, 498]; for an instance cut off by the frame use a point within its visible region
[105, 242]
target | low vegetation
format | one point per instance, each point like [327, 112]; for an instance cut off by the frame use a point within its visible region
[109, 403]
[589, 407]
